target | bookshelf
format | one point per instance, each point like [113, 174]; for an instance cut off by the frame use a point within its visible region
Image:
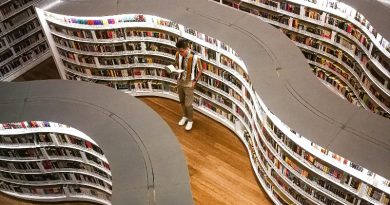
[291, 169]
[134, 159]
[333, 27]
[47, 161]
[22, 42]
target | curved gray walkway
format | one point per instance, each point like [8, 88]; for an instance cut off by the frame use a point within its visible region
[147, 164]
[278, 70]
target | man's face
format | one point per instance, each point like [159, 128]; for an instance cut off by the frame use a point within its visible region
[183, 52]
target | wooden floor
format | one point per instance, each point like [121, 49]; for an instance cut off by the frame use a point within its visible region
[218, 163]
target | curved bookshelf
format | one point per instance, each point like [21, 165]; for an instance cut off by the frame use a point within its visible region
[22, 43]
[336, 26]
[289, 167]
[32, 166]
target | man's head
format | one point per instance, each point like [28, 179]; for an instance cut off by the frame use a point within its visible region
[182, 47]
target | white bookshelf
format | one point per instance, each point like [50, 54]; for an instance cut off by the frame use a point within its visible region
[251, 112]
[20, 23]
[75, 168]
[377, 45]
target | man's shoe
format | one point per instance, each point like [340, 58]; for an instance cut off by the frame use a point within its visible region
[183, 121]
[189, 125]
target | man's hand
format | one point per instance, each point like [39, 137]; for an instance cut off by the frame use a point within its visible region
[193, 84]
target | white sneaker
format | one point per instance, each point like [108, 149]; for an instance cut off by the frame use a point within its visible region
[189, 125]
[183, 121]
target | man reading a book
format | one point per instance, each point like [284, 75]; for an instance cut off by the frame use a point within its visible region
[192, 70]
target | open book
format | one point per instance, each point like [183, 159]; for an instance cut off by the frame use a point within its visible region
[171, 69]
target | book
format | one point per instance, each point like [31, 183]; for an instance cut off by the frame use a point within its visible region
[171, 69]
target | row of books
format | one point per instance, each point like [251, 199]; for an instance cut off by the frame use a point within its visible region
[30, 124]
[263, 167]
[304, 25]
[66, 178]
[307, 175]
[9, 9]
[216, 97]
[221, 86]
[115, 73]
[366, 43]
[134, 32]
[28, 43]
[355, 82]
[18, 33]
[115, 47]
[345, 178]
[340, 86]
[207, 53]
[16, 20]
[35, 167]
[31, 138]
[278, 176]
[344, 58]
[331, 18]
[86, 34]
[44, 139]
[341, 56]
[54, 190]
[343, 41]
[70, 139]
[41, 153]
[50, 178]
[202, 36]
[23, 59]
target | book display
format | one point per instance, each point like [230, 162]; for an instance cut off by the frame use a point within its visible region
[338, 37]
[47, 161]
[130, 53]
[22, 43]
[331, 30]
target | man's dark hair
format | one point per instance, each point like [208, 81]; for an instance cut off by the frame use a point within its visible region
[182, 43]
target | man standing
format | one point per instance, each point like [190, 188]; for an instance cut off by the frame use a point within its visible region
[186, 81]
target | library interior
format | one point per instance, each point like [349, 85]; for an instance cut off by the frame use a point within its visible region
[291, 102]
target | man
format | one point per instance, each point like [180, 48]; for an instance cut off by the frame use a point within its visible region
[186, 81]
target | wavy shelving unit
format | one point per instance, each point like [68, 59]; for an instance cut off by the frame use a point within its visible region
[291, 168]
[47, 161]
[325, 23]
